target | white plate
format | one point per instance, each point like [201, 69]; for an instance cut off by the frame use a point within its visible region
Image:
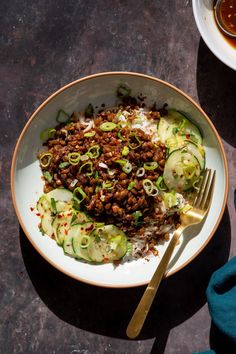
[214, 39]
[27, 185]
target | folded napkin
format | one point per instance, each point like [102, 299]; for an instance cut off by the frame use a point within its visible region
[221, 297]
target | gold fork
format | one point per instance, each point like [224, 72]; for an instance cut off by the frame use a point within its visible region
[194, 216]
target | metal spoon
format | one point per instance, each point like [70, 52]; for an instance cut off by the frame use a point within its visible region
[219, 21]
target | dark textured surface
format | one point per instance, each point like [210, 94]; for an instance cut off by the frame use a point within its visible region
[44, 45]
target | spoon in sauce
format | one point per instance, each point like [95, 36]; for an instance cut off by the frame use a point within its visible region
[225, 14]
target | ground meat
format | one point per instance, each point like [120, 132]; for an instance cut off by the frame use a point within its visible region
[95, 163]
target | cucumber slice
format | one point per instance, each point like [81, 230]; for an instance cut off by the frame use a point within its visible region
[43, 205]
[58, 215]
[108, 243]
[63, 206]
[67, 245]
[181, 170]
[197, 151]
[79, 217]
[184, 126]
[176, 123]
[46, 223]
[175, 142]
[162, 129]
[60, 194]
[61, 226]
[81, 240]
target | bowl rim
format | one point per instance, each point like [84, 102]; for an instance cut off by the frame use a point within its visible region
[212, 48]
[65, 87]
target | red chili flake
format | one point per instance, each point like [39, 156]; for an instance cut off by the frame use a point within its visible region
[66, 232]
[38, 214]
[65, 223]
[70, 214]
[117, 262]
[105, 259]
[31, 208]
[89, 228]
[59, 216]
[53, 236]
[187, 136]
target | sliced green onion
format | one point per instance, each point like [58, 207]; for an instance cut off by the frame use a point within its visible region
[170, 199]
[107, 126]
[90, 134]
[127, 168]
[126, 165]
[85, 241]
[47, 134]
[182, 124]
[131, 185]
[148, 186]
[76, 205]
[125, 151]
[185, 209]
[134, 145]
[121, 162]
[45, 159]
[123, 91]
[137, 215]
[98, 224]
[150, 165]
[129, 248]
[93, 151]
[89, 165]
[47, 175]
[172, 141]
[41, 230]
[62, 116]
[108, 185]
[79, 195]
[161, 184]
[73, 219]
[88, 112]
[74, 158]
[96, 175]
[197, 183]
[119, 135]
[189, 171]
[97, 188]
[175, 130]
[64, 164]
[54, 206]
[140, 172]
[154, 192]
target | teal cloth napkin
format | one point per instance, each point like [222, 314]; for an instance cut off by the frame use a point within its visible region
[207, 352]
[221, 297]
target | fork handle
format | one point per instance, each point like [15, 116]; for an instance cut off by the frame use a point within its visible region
[136, 323]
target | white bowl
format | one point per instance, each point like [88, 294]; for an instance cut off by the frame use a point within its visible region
[27, 185]
[214, 39]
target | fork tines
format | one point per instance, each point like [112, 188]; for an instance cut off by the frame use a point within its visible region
[205, 192]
